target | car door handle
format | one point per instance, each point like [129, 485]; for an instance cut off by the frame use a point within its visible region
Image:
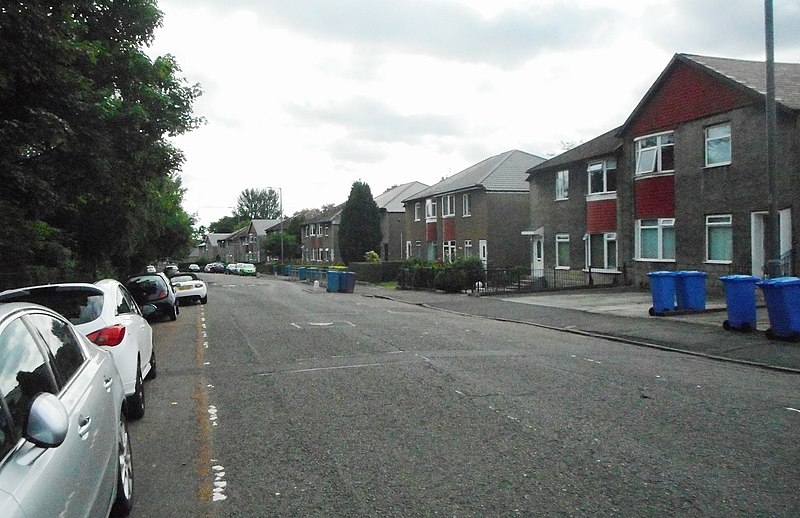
[84, 423]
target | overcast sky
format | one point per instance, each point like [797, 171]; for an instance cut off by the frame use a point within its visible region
[310, 96]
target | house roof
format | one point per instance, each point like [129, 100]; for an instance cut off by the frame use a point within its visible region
[276, 225]
[261, 225]
[327, 216]
[605, 144]
[214, 239]
[505, 172]
[749, 77]
[392, 199]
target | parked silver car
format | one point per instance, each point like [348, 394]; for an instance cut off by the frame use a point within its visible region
[64, 445]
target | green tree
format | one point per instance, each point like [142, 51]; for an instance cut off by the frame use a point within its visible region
[258, 204]
[87, 169]
[228, 225]
[360, 227]
[291, 246]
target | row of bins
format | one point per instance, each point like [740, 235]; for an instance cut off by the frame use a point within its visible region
[686, 290]
[341, 282]
[782, 296]
[682, 291]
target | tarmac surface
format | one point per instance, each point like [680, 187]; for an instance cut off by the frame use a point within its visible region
[621, 315]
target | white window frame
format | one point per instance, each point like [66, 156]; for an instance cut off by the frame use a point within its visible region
[466, 205]
[562, 185]
[467, 248]
[653, 154]
[716, 221]
[430, 209]
[449, 251]
[603, 166]
[724, 137]
[661, 225]
[562, 238]
[608, 237]
[417, 211]
[448, 206]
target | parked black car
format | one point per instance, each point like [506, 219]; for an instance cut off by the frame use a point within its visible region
[155, 289]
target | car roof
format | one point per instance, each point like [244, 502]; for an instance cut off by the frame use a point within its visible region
[54, 287]
[9, 308]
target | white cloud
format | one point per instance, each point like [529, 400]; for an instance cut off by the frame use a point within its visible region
[312, 95]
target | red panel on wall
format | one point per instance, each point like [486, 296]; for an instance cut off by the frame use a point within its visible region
[449, 229]
[430, 231]
[686, 94]
[601, 216]
[655, 197]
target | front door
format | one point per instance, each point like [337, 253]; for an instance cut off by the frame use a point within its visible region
[758, 232]
[537, 257]
[483, 251]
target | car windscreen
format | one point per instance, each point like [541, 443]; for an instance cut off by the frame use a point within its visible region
[147, 288]
[77, 304]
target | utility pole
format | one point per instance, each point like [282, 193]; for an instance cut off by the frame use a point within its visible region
[773, 251]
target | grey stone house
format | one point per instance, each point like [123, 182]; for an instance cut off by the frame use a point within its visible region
[319, 236]
[392, 212]
[480, 211]
[573, 208]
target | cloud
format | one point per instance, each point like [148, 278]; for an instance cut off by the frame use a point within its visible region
[370, 120]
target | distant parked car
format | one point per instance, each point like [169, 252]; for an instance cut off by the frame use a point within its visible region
[246, 269]
[188, 286]
[218, 268]
[108, 315]
[232, 269]
[194, 267]
[150, 269]
[170, 270]
[154, 289]
[64, 442]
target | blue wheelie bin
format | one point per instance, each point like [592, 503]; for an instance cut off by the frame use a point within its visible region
[347, 282]
[334, 276]
[782, 295]
[740, 298]
[690, 290]
[662, 287]
[301, 273]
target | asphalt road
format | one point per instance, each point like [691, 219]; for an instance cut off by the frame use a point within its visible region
[277, 400]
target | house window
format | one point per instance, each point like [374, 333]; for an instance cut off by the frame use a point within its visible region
[655, 153]
[430, 208]
[602, 251]
[467, 248]
[603, 176]
[655, 239]
[719, 238]
[448, 205]
[417, 211]
[326, 229]
[718, 145]
[562, 251]
[449, 251]
[466, 202]
[562, 185]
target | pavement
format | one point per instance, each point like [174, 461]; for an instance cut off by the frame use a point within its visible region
[622, 315]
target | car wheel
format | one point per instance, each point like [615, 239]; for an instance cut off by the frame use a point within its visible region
[203, 300]
[136, 400]
[124, 501]
[174, 313]
[153, 372]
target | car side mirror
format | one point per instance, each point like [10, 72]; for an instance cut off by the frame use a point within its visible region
[48, 422]
[148, 309]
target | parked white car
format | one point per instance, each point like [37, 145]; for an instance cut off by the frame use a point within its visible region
[107, 314]
[64, 443]
[188, 286]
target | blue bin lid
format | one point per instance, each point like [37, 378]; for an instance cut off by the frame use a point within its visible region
[780, 281]
[691, 273]
[661, 273]
[739, 278]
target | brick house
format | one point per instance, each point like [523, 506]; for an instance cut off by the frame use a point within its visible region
[480, 211]
[691, 177]
[573, 208]
[696, 193]
[392, 213]
[320, 236]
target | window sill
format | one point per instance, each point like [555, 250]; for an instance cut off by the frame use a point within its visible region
[716, 166]
[562, 267]
[561, 199]
[601, 196]
[641, 260]
[466, 215]
[601, 270]
[642, 176]
[717, 262]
